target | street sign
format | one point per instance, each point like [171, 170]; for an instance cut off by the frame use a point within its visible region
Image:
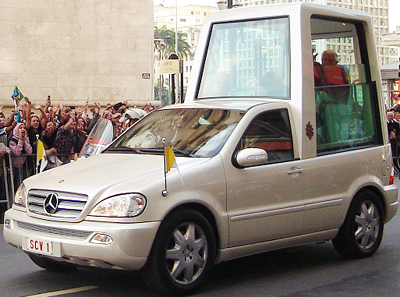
[167, 67]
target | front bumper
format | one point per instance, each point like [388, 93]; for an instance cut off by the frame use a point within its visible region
[71, 242]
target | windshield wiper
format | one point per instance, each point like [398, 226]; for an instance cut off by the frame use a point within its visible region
[123, 149]
[155, 150]
[183, 153]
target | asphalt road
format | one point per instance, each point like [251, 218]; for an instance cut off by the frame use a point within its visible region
[309, 270]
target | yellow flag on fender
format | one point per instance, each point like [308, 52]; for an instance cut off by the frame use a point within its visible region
[41, 158]
[170, 159]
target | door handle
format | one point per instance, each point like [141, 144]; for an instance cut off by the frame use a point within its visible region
[295, 170]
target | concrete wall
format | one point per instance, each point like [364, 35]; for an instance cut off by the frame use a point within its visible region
[75, 49]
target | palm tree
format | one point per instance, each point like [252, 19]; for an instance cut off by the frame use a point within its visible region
[168, 37]
[164, 44]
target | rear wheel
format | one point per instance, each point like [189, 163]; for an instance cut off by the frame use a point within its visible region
[182, 255]
[51, 265]
[362, 231]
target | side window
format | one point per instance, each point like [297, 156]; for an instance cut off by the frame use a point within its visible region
[345, 96]
[271, 132]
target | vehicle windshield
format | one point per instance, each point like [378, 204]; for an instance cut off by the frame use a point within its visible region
[247, 59]
[190, 132]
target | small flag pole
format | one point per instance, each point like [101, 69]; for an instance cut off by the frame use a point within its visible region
[37, 152]
[15, 99]
[165, 191]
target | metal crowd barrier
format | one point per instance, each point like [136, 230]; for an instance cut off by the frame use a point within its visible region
[6, 185]
[9, 182]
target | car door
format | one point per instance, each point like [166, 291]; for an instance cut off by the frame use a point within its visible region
[265, 202]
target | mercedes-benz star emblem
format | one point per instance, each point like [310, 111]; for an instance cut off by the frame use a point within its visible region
[51, 203]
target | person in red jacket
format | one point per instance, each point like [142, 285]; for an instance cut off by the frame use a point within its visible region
[332, 96]
[332, 76]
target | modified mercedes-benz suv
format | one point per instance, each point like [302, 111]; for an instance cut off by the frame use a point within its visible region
[261, 156]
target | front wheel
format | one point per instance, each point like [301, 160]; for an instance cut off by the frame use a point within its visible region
[362, 231]
[182, 255]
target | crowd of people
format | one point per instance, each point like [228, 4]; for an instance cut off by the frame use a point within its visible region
[63, 130]
[393, 124]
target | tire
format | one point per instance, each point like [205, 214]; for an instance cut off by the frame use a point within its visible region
[362, 231]
[182, 255]
[51, 265]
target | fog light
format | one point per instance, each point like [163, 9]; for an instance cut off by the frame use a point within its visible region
[101, 239]
[7, 224]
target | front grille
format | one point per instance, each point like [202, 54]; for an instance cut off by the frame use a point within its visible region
[54, 231]
[69, 205]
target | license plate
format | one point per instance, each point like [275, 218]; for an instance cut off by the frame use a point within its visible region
[43, 247]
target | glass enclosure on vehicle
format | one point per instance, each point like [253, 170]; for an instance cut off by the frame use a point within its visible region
[196, 132]
[347, 110]
[247, 58]
[251, 58]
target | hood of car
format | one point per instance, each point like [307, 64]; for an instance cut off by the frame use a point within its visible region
[106, 172]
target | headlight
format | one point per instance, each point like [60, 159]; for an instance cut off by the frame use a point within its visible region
[20, 196]
[124, 205]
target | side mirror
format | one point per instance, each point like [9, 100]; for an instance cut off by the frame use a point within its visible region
[251, 157]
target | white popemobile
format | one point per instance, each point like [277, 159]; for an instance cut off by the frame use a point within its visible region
[265, 158]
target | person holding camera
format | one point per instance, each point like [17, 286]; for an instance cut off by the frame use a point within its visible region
[19, 146]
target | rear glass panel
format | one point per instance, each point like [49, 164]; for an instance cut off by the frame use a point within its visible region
[347, 110]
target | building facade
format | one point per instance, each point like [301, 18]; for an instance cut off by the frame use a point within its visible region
[77, 49]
